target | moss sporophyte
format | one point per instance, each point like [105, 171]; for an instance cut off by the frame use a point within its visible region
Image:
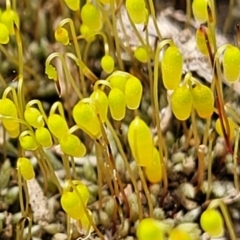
[135, 134]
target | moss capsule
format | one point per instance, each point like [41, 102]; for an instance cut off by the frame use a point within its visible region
[71, 145]
[51, 72]
[203, 100]
[171, 66]
[141, 54]
[10, 18]
[86, 118]
[25, 168]
[153, 172]
[118, 81]
[101, 103]
[117, 104]
[107, 63]
[232, 126]
[8, 109]
[136, 10]
[61, 35]
[212, 222]
[149, 229]
[33, 117]
[74, 5]
[178, 234]
[43, 137]
[231, 63]
[91, 17]
[199, 8]
[27, 143]
[57, 125]
[133, 92]
[201, 41]
[141, 142]
[4, 34]
[181, 103]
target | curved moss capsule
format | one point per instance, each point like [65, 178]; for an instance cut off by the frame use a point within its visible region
[10, 18]
[4, 34]
[101, 103]
[57, 125]
[133, 92]
[61, 35]
[91, 17]
[136, 10]
[171, 65]
[141, 54]
[177, 234]
[71, 145]
[118, 81]
[8, 109]
[51, 72]
[212, 222]
[199, 8]
[107, 63]
[203, 100]
[181, 103]
[117, 104]
[141, 142]
[25, 168]
[14, 133]
[86, 118]
[27, 143]
[201, 41]
[33, 117]
[43, 137]
[231, 63]
[153, 172]
[71, 205]
[149, 229]
[74, 5]
[232, 126]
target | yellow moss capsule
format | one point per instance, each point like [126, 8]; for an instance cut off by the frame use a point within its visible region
[141, 54]
[117, 104]
[91, 17]
[86, 118]
[8, 109]
[71, 205]
[136, 10]
[232, 126]
[61, 35]
[71, 202]
[149, 229]
[33, 117]
[57, 125]
[181, 103]
[25, 168]
[231, 64]
[43, 137]
[101, 103]
[74, 5]
[171, 66]
[27, 143]
[203, 100]
[107, 64]
[10, 17]
[212, 222]
[199, 8]
[118, 81]
[4, 34]
[153, 172]
[51, 72]
[201, 41]
[178, 234]
[71, 145]
[14, 133]
[141, 142]
[133, 92]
